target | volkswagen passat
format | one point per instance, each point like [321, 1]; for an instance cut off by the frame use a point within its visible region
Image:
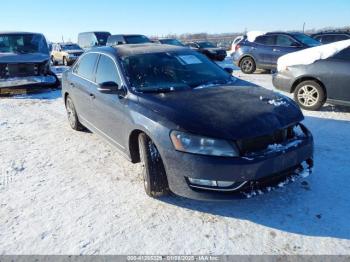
[199, 132]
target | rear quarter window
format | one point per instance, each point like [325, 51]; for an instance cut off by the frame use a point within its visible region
[266, 40]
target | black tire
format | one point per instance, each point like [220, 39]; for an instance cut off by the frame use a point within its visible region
[154, 175]
[72, 115]
[54, 62]
[310, 95]
[247, 65]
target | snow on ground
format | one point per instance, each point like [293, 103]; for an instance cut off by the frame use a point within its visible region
[310, 55]
[67, 192]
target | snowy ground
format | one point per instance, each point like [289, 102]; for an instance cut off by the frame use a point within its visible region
[66, 192]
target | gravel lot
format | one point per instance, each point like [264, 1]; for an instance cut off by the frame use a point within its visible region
[66, 192]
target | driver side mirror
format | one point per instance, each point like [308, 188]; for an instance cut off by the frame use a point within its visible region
[110, 88]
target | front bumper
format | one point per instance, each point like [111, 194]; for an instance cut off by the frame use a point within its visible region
[48, 80]
[265, 167]
[282, 82]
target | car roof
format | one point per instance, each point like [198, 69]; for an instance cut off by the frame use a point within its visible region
[137, 49]
[332, 33]
[19, 33]
[126, 35]
[93, 32]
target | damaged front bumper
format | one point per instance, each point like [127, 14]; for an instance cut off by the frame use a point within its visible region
[48, 80]
[248, 173]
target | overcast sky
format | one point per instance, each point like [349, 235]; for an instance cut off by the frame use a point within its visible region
[160, 17]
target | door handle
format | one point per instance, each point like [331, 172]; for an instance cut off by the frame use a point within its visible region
[276, 50]
[92, 96]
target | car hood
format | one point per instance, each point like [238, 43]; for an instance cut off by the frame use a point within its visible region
[228, 112]
[23, 58]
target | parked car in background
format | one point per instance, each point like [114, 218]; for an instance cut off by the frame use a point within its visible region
[24, 62]
[169, 41]
[208, 49]
[325, 80]
[89, 40]
[263, 51]
[198, 132]
[114, 40]
[65, 53]
[330, 37]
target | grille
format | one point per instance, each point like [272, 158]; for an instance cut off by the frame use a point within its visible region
[257, 144]
[20, 70]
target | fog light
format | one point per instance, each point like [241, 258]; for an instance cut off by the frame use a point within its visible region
[225, 183]
[202, 182]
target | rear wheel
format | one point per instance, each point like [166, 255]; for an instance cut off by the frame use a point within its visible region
[310, 95]
[154, 175]
[72, 115]
[248, 65]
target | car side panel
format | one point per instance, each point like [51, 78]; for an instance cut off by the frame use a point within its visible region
[336, 79]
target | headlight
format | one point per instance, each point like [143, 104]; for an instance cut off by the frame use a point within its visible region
[202, 145]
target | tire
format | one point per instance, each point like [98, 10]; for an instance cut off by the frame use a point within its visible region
[310, 95]
[72, 115]
[154, 175]
[54, 62]
[65, 62]
[247, 65]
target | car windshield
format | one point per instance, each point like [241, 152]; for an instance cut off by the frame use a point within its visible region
[70, 47]
[102, 38]
[172, 71]
[23, 43]
[136, 39]
[206, 45]
[171, 42]
[306, 40]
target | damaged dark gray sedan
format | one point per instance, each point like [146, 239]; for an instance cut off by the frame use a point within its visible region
[197, 131]
[24, 62]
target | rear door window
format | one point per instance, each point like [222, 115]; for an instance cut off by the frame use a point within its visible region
[86, 66]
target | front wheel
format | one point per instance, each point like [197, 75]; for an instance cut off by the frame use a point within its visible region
[248, 65]
[72, 115]
[154, 175]
[310, 95]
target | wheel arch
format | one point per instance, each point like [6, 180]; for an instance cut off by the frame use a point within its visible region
[308, 78]
[244, 56]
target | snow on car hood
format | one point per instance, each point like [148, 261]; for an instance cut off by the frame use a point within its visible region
[252, 35]
[310, 55]
[23, 58]
[228, 112]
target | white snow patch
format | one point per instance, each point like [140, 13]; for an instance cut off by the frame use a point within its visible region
[252, 35]
[310, 55]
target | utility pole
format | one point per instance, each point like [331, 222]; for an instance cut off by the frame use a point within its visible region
[304, 27]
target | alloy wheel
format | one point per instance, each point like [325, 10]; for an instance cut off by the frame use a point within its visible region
[308, 96]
